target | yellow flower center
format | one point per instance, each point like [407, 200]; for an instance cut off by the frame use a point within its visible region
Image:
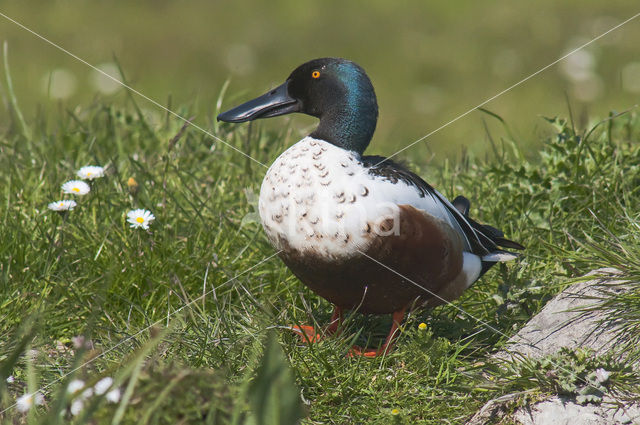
[88, 173]
[75, 189]
[422, 326]
[140, 220]
[395, 412]
[61, 204]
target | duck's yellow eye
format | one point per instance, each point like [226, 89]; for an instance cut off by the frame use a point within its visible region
[315, 74]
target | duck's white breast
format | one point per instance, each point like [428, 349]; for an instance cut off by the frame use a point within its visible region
[318, 197]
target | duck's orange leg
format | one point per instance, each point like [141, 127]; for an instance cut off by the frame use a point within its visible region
[336, 321]
[308, 334]
[398, 316]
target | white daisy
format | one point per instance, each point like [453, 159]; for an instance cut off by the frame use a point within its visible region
[26, 402]
[140, 218]
[87, 393]
[65, 205]
[75, 386]
[113, 396]
[76, 407]
[90, 172]
[76, 187]
[103, 385]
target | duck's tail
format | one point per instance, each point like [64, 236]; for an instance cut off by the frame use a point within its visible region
[495, 236]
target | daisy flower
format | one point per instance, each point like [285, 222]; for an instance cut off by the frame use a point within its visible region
[140, 218]
[103, 385]
[76, 407]
[76, 187]
[65, 205]
[75, 386]
[90, 172]
[26, 402]
[113, 396]
[422, 326]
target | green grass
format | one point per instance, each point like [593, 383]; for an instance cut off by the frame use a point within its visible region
[87, 273]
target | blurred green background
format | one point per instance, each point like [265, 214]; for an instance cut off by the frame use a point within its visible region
[429, 60]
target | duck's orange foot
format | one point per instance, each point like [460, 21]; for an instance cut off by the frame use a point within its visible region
[307, 334]
[356, 351]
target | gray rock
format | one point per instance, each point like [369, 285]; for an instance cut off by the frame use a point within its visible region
[559, 411]
[560, 324]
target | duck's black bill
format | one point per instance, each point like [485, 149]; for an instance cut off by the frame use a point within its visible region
[271, 104]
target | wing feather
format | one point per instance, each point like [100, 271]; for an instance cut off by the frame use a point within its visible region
[482, 239]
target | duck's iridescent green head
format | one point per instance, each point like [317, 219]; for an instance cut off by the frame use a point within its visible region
[336, 91]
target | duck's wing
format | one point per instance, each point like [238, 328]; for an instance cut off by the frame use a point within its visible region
[483, 240]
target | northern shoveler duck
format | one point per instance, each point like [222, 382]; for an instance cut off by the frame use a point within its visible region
[363, 232]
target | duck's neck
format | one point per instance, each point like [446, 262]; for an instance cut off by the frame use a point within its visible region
[348, 130]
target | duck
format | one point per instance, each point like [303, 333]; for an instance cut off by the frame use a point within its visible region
[361, 231]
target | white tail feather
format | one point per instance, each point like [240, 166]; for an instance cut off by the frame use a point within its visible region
[499, 256]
